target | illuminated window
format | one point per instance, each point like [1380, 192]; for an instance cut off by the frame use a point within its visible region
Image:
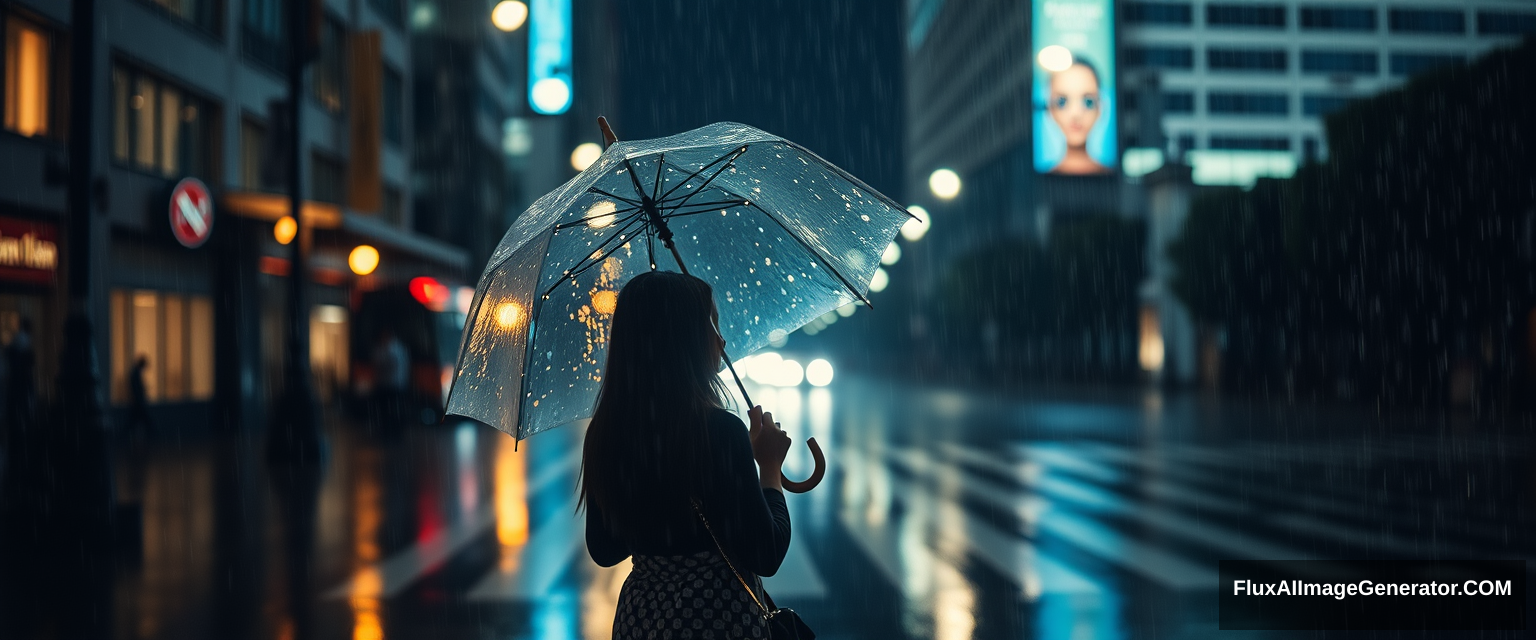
[1261, 60]
[261, 33]
[1160, 57]
[394, 205]
[1168, 13]
[204, 14]
[1178, 102]
[1338, 18]
[331, 66]
[327, 177]
[1407, 64]
[253, 141]
[1250, 143]
[1250, 104]
[394, 107]
[158, 127]
[1245, 16]
[1339, 61]
[174, 335]
[1427, 20]
[28, 78]
[1322, 105]
[1505, 23]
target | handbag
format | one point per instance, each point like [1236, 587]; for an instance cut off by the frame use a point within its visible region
[783, 624]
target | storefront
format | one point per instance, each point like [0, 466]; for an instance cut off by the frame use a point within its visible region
[29, 265]
[338, 283]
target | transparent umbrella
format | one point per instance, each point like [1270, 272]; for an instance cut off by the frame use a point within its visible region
[780, 234]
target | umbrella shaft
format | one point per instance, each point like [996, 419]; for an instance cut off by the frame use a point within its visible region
[739, 385]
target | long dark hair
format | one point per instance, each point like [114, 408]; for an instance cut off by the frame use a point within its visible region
[647, 448]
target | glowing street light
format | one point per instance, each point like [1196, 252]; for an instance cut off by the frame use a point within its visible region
[285, 229]
[913, 230]
[509, 15]
[818, 373]
[551, 95]
[584, 155]
[944, 183]
[891, 255]
[363, 259]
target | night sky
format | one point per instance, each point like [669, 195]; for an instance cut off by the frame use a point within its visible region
[826, 75]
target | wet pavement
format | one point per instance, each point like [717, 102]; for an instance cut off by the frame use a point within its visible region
[945, 514]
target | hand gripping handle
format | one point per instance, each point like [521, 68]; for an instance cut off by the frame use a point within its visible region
[816, 476]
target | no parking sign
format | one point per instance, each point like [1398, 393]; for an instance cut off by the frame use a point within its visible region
[191, 213]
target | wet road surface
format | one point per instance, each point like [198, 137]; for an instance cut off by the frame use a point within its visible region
[945, 514]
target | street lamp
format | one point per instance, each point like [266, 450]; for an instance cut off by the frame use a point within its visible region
[584, 155]
[285, 229]
[944, 183]
[509, 15]
[363, 259]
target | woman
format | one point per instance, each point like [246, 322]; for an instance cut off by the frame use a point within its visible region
[660, 441]
[1075, 105]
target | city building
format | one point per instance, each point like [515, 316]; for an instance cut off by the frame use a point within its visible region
[191, 90]
[1214, 92]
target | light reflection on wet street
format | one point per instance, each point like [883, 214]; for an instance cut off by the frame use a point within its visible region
[945, 514]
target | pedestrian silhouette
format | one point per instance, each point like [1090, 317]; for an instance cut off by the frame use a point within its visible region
[391, 364]
[138, 397]
[668, 475]
[20, 384]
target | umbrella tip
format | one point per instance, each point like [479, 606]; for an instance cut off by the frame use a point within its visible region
[608, 137]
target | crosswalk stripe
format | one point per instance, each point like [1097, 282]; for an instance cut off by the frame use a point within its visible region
[1295, 522]
[1035, 573]
[905, 565]
[539, 562]
[393, 574]
[1232, 543]
[1152, 563]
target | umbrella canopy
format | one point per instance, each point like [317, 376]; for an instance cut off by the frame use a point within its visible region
[780, 234]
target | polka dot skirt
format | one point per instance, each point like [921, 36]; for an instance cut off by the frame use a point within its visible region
[685, 598]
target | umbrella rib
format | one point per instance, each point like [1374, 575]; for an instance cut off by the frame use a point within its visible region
[589, 262]
[685, 214]
[661, 161]
[737, 152]
[634, 179]
[712, 177]
[813, 252]
[650, 247]
[733, 203]
[581, 221]
[615, 197]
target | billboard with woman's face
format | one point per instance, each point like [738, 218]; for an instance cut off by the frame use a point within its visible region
[1074, 90]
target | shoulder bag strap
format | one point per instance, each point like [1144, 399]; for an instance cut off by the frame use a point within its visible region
[767, 614]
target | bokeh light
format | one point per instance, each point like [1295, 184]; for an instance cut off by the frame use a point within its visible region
[509, 15]
[879, 282]
[363, 259]
[584, 155]
[916, 228]
[944, 183]
[285, 229]
[819, 372]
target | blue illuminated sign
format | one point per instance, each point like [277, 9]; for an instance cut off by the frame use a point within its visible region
[549, 56]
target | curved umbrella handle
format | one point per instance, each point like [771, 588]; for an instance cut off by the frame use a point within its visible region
[815, 479]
